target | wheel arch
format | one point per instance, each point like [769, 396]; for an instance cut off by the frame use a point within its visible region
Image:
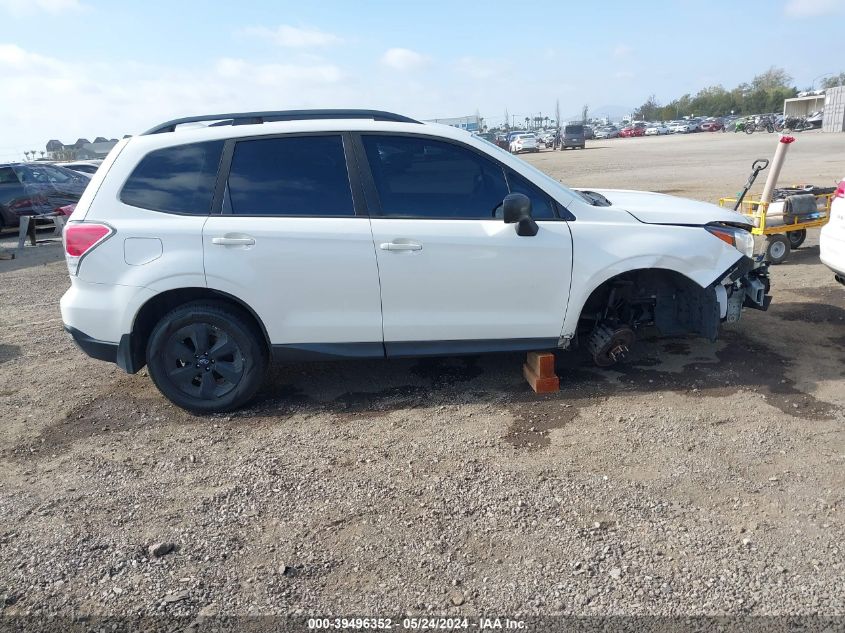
[601, 285]
[133, 346]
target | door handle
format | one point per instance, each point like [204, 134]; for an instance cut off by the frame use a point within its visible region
[400, 246]
[233, 241]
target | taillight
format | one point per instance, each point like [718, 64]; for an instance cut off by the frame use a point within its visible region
[80, 238]
[840, 190]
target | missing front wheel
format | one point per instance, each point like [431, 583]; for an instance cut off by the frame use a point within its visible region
[609, 344]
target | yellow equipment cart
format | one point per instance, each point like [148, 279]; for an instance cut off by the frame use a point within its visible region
[784, 228]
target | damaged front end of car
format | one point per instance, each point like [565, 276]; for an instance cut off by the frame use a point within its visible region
[745, 285]
[672, 304]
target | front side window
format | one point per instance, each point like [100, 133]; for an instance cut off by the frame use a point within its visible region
[176, 179]
[541, 206]
[424, 178]
[293, 176]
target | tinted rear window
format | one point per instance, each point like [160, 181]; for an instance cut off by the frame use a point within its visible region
[176, 179]
[299, 175]
[574, 129]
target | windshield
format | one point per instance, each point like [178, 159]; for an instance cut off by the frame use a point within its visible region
[574, 129]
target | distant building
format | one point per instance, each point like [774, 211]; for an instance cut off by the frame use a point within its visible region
[468, 123]
[90, 151]
[802, 106]
[834, 110]
[83, 149]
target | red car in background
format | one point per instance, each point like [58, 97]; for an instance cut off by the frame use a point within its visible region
[711, 126]
[627, 132]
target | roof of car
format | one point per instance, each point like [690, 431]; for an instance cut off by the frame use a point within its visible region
[268, 116]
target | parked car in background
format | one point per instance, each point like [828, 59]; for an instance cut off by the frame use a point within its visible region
[486, 136]
[36, 189]
[88, 167]
[456, 248]
[525, 142]
[682, 127]
[607, 132]
[832, 239]
[589, 133]
[547, 137]
[711, 125]
[572, 136]
[631, 130]
[656, 129]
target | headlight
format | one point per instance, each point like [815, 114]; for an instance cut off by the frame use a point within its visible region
[740, 239]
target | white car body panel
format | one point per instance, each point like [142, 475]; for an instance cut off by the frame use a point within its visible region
[609, 242]
[310, 280]
[661, 208]
[472, 280]
[832, 238]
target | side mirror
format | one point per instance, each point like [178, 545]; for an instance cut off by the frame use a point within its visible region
[516, 209]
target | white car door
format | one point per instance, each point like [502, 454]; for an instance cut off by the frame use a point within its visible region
[289, 244]
[454, 277]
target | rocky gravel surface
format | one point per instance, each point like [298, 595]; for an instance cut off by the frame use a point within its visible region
[697, 479]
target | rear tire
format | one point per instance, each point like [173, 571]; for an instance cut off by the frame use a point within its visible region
[207, 357]
[777, 248]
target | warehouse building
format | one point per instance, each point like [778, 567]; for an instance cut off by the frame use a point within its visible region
[834, 110]
[468, 123]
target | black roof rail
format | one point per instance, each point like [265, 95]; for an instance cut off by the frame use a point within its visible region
[249, 118]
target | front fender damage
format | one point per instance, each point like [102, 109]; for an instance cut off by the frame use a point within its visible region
[745, 284]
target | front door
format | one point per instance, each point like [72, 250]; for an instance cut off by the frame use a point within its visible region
[454, 277]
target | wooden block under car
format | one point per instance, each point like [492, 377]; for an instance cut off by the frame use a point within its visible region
[541, 363]
[540, 385]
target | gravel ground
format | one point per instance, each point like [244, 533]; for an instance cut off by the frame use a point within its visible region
[697, 479]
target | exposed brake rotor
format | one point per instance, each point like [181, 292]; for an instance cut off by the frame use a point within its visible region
[610, 344]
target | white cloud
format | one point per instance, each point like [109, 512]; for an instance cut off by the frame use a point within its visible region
[29, 7]
[292, 36]
[51, 98]
[813, 8]
[403, 59]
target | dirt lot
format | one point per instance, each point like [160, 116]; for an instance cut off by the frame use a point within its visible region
[698, 478]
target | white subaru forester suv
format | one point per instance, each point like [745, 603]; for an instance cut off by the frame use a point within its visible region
[209, 245]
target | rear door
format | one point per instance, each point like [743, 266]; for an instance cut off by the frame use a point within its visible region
[289, 241]
[454, 277]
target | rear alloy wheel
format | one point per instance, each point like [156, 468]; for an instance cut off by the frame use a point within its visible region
[796, 238]
[777, 248]
[206, 357]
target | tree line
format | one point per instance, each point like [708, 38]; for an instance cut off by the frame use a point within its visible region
[765, 93]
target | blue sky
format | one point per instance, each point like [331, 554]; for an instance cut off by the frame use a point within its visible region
[72, 68]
